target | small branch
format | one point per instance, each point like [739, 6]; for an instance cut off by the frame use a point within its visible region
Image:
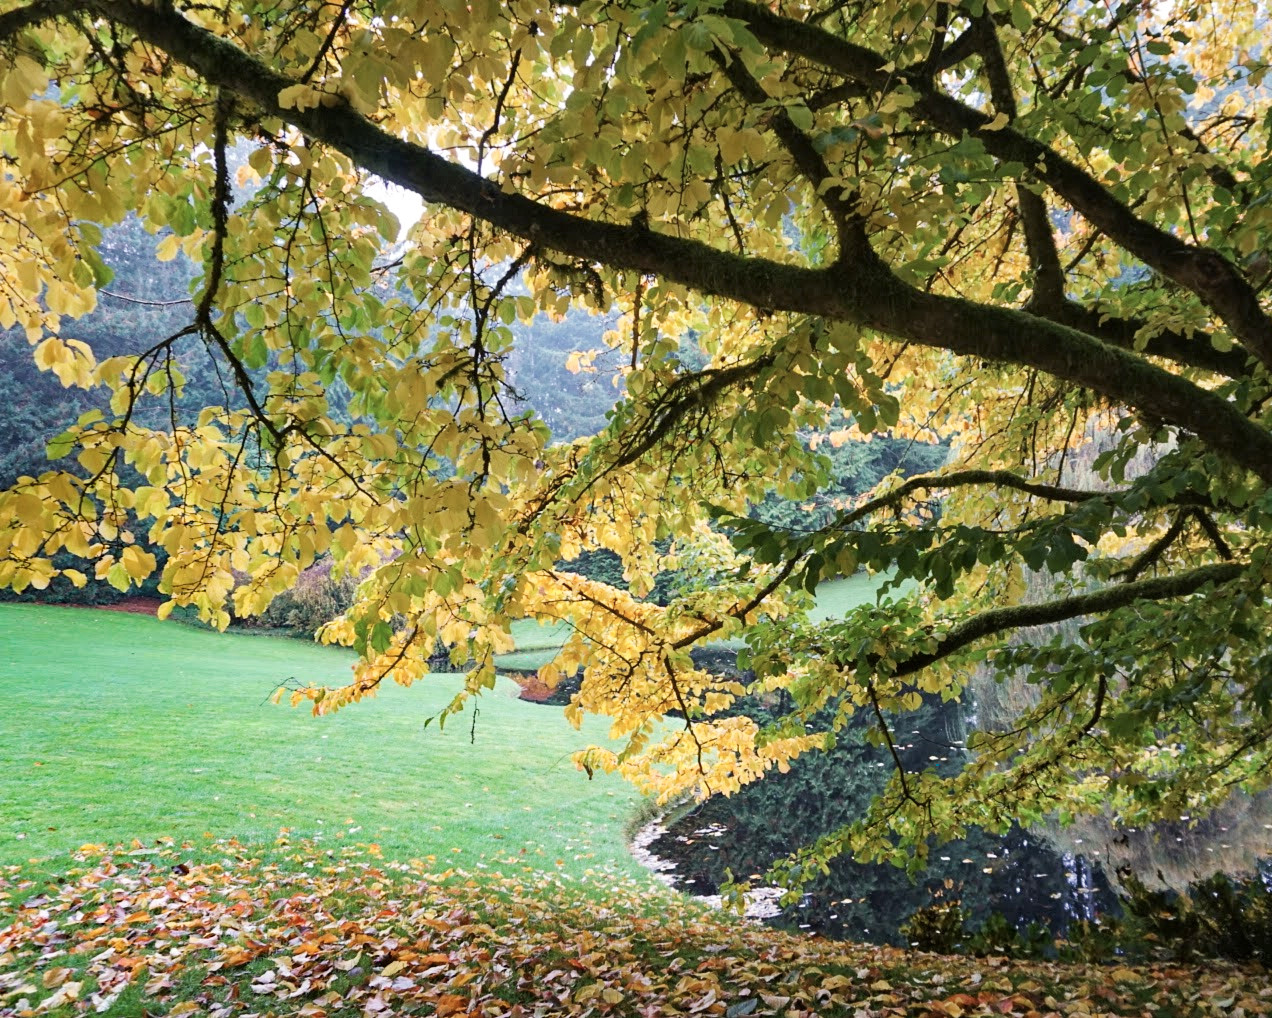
[1212, 531]
[848, 222]
[1100, 692]
[891, 744]
[500, 100]
[684, 709]
[1064, 446]
[998, 620]
[1048, 276]
[742, 611]
[147, 303]
[637, 301]
[1156, 550]
[933, 59]
[325, 48]
[220, 204]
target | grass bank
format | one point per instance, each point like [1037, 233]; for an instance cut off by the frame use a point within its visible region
[352, 935]
[118, 727]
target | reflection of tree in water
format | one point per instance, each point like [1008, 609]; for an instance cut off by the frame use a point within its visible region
[1016, 874]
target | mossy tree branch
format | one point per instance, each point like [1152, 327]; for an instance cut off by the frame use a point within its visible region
[1205, 272]
[1024, 616]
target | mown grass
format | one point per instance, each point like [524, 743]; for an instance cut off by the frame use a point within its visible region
[537, 643]
[836, 598]
[119, 727]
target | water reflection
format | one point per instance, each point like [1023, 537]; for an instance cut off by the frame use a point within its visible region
[1017, 874]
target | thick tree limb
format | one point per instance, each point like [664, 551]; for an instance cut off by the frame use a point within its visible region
[962, 479]
[1205, 272]
[864, 291]
[1197, 351]
[37, 13]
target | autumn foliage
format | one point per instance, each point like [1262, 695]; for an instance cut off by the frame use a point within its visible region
[315, 934]
[1019, 227]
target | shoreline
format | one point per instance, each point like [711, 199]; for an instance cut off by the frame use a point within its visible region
[761, 902]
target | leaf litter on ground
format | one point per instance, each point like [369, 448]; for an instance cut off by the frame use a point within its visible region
[317, 933]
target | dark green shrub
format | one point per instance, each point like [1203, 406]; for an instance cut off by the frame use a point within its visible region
[999, 935]
[937, 927]
[996, 936]
[1234, 918]
[1159, 922]
[1215, 918]
[316, 598]
[1094, 941]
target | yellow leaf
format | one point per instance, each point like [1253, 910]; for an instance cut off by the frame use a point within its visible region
[29, 509]
[56, 977]
[168, 248]
[300, 97]
[998, 123]
[137, 563]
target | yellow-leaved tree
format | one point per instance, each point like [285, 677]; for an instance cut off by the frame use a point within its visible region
[1008, 225]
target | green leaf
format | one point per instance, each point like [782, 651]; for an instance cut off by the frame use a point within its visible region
[60, 446]
[381, 637]
[181, 218]
[255, 351]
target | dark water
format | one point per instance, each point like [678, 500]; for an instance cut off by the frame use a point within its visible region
[1017, 874]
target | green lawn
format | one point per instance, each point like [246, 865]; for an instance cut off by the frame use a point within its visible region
[118, 727]
[533, 635]
[537, 643]
[836, 598]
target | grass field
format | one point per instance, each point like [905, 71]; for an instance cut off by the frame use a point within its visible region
[537, 643]
[117, 727]
[835, 599]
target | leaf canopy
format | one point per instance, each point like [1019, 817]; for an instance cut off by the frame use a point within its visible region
[1034, 230]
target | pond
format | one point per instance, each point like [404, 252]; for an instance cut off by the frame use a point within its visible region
[1017, 874]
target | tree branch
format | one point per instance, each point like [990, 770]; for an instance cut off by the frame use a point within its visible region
[848, 223]
[1048, 276]
[1205, 272]
[1154, 551]
[959, 479]
[1195, 351]
[13, 22]
[998, 620]
[864, 291]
